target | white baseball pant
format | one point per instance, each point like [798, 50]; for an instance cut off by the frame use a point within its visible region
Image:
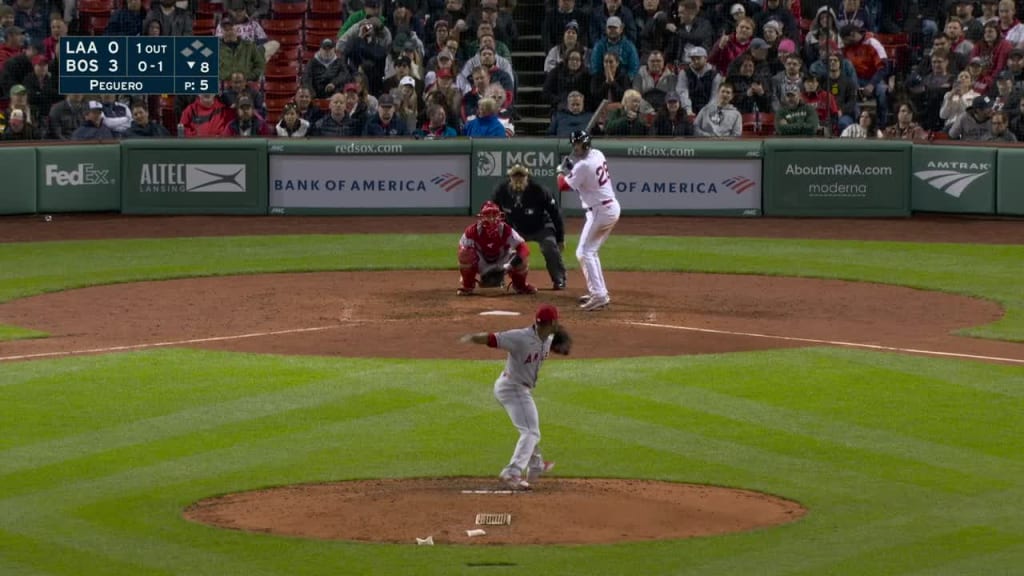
[600, 220]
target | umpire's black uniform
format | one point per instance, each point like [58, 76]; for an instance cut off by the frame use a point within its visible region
[534, 213]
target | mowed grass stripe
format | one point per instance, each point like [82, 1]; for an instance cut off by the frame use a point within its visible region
[112, 551]
[948, 545]
[47, 553]
[690, 396]
[748, 465]
[184, 391]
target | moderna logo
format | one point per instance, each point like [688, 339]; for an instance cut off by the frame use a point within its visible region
[950, 178]
[739, 184]
[447, 182]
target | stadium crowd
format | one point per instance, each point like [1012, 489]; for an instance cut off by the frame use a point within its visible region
[900, 69]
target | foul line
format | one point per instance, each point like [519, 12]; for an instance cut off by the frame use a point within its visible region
[831, 342]
[161, 344]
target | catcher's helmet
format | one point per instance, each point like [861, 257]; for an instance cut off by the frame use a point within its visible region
[580, 137]
[490, 208]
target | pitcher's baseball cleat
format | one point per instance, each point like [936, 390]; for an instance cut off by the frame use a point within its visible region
[515, 482]
[537, 472]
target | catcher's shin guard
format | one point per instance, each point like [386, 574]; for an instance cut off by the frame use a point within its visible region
[468, 279]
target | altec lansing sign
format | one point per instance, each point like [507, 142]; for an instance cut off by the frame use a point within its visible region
[174, 177]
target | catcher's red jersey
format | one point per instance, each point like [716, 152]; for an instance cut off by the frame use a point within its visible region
[495, 247]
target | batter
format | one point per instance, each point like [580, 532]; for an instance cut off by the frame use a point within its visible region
[587, 173]
[527, 348]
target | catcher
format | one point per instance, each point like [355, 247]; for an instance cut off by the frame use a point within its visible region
[488, 250]
[527, 348]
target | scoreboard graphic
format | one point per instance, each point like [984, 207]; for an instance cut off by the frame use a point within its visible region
[139, 65]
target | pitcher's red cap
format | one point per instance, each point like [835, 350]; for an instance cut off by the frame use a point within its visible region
[547, 314]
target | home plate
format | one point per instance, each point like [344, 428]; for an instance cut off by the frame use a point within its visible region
[500, 313]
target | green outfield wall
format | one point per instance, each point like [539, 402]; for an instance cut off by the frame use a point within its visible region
[745, 177]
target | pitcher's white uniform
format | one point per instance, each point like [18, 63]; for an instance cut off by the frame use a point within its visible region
[590, 178]
[514, 390]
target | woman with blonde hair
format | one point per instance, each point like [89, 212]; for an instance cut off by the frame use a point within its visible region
[408, 102]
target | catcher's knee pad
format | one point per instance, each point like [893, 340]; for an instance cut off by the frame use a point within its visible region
[467, 257]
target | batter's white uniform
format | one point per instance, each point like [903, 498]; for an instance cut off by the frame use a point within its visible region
[514, 390]
[592, 181]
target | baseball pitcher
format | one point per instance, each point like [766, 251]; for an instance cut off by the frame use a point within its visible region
[527, 348]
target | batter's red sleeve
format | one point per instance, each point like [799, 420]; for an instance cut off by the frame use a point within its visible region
[492, 340]
[563, 186]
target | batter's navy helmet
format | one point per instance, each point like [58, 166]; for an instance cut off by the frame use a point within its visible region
[580, 137]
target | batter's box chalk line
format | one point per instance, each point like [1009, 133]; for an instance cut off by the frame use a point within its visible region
[492, 519]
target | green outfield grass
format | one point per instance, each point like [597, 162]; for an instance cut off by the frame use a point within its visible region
[908, 465]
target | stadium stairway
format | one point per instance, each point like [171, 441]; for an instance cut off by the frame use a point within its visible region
[528, 54]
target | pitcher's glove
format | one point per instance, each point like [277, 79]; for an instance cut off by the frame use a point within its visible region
[561, 343]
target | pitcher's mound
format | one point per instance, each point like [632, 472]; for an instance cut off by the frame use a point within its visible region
[556, 511]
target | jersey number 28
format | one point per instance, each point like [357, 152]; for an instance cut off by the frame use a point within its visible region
[602, 174]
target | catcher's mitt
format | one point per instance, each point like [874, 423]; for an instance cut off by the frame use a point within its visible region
[561, 343]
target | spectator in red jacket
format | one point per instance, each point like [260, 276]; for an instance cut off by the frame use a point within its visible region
[823, 102]
[206, 116]
[993, 50]
[872, 69]
[730, 46]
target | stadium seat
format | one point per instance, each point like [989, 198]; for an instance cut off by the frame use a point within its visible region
[282, 25]
[281, 71]
[314, 37]
[767, 124]
[324, 24]
[327, 7]
[95, 7]
[291, 9]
